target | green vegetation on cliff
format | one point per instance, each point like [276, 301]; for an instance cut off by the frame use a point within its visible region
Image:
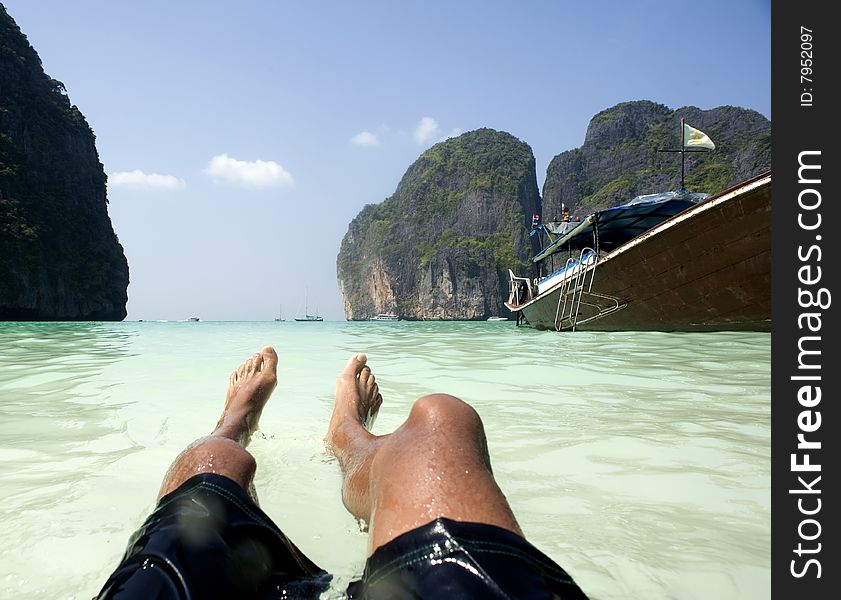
[442, 244]
[59, 256]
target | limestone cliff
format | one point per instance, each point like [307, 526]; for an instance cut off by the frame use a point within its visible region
[59, 256]
[619, 158]
[440, 247]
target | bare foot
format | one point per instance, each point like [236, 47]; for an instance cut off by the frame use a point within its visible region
[249, 389]
[349, 439]
[358, 400]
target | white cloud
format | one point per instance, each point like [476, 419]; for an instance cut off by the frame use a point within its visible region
[138, 178]
[258, 173]
[427, 129]
[366, 139]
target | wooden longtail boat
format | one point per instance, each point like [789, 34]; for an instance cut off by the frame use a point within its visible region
[705, 268]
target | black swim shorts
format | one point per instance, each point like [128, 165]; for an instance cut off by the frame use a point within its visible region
[208, 539]
[454, 560]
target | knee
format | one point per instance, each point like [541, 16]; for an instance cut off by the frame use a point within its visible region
[444, 410]
[226, 457]
[211, 455]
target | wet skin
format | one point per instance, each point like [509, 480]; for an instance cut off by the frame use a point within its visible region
[435, 464]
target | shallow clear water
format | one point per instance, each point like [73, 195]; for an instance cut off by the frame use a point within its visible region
[639, 461]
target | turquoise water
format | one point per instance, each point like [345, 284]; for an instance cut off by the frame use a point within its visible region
[639, 461]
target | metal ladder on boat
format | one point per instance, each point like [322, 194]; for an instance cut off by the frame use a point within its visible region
[573, 288]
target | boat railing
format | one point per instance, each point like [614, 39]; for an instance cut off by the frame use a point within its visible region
[570, 269]
[520, 290]
[576, 275]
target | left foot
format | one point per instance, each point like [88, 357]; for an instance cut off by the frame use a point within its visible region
[249, 389]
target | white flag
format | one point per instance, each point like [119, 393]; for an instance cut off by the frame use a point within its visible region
[695, 138]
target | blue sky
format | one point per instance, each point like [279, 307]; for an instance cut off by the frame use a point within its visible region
[241, 138]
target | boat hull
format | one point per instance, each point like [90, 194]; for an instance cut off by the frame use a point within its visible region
[706, 269]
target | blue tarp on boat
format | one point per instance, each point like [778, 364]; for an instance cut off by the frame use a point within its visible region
[610, 228]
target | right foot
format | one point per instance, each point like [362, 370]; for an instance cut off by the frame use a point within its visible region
[358, 400]
[349, 438]
[249, 389]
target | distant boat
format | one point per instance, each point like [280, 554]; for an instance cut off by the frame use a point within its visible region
[385, 317]
[308, 317]
[194, 319]
[493, 319]
[280, 315]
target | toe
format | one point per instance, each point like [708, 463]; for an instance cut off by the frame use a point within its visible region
[257, 362]
[250, 364]
[373, 407]
[354, 366]
[269, 359]
[369, 384]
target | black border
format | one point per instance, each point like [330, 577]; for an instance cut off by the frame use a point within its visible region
[798, 127]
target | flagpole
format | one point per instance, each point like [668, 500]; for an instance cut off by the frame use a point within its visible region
[696, 138]
[682, 153]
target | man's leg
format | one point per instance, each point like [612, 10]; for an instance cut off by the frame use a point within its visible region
[223, 451]
[439, 525]
[207, 538]
[435, 464]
